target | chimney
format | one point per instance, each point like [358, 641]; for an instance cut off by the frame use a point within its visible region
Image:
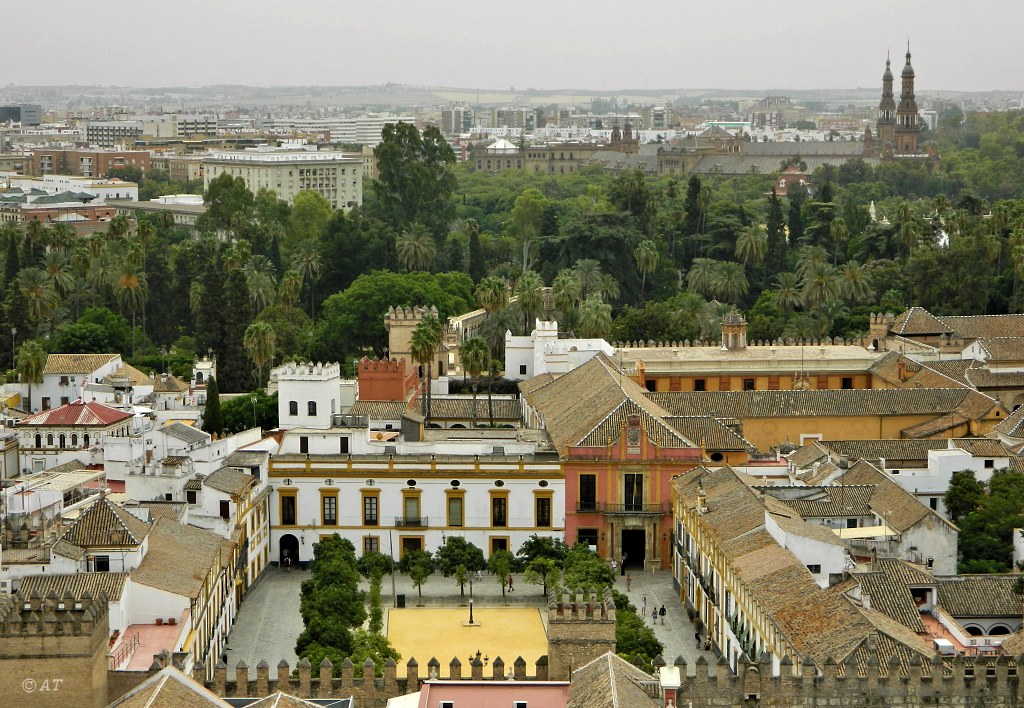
[901, 367]
[865, 600]
[844, 462]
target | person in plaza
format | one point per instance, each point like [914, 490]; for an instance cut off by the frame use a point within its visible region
[623, 566]
[645, 605]
[654, 616]
[629, 581]
[662, 613]
[615, 566]
[510, 588]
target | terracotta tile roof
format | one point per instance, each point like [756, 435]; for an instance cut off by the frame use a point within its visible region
[888, 585]
[610, 681]
[589, 404]
[76, 363]
[230, 481]
[893, 639]
[246, 458]
[179, 558]
[981, 447]
[955, 369]
[900, 509]
[127, 372]
[709, 432]
[78, 413]
[839, 402]
[917, 321]
[896, 453]
[980, 595]
[462, 408]
[76, 583]
[531, 385]
[165, 510]
[283, 700]
[1003, 348]
[105, 524]
[915, 374]
[1013, 425]
[1014, 644]
[792, 522]
[68, 549]
[169, 687]
[982, 326]
[934, 426]
[379, 410]
[832, 502]
[981, 377]
[807, 455]
[169, 383]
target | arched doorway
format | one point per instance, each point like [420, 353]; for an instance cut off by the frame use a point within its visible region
[289, 550]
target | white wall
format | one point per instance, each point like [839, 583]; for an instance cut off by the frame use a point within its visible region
[930, 538]
[543, 352]
[304, 384]
[809, 551]
[147, 603]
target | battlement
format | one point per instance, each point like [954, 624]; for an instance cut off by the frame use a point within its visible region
[717, 343]
[368, 365]
[581, 627]
[52, 615]
[878, 318]
[407, 315]
[342, 681]
[307, 371]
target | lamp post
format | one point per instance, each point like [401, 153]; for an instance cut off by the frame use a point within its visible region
[471, 610]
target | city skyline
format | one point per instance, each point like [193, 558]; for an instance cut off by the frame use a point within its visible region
[599, 47]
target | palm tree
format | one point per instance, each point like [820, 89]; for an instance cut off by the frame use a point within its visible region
[701, 275]
[609, 290]
[425, 340]
[58, 269]
[476, 358]
[787, 292]
[132, 291]
[492, 294]
[819, 286]
[752, 245]
[30, 365]
[290, 287]
[826, 314]
[530, 294]
[703, 203]
[800, 326]
[809, 258]
[588, 274]
[855, 285]
[119, 227]
[259, 341]
[595, 318]
[37, 289]
[839, 233]
[646, 255]
[565, 291]
[729, 282]
[62, 237]
[261, 281]
[416, 248]
[308, 262]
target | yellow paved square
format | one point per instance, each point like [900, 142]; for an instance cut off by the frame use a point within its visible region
[422, 633]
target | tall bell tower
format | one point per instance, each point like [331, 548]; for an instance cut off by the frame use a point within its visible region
[908, 124]
[886, 127]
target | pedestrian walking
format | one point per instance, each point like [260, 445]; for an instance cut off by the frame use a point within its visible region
[645, 604]
[615, 566]
[510, 588]
[287, 562]
[629, 581]
[662, 613]
[654, 616]
[623, 566]
[707, 644]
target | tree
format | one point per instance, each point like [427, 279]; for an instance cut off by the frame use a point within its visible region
[259, 342]
[583, 568]
[415, 179]
[331, 603]
[419, 566]
[500, 564]
[634, 639]
[424, 343]
[308, 219]
[787, 292]
[729, 281]
[595, 318]
[132, 290]
[542, 571]
[492, 293]
[964, 495]
[477, 268]
[752, 245]
[417, 249]
[646, 255]
[526, 222]
[229, 205]
[819, 285]
[307, 262]
[458, 553]
[375, 564]
[530, 296]
[30, 365]
[775, 252]
[213, 421]
[476, 358]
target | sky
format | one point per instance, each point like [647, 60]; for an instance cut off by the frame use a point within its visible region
[543, 44]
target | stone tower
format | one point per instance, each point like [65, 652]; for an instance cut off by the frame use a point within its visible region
[885, 130]
[400, 323]
[53, 650]
[908, 125]
[581, 627]
[734, 330]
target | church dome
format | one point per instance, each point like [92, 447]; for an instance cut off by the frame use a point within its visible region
[887, 76]
[908, 70]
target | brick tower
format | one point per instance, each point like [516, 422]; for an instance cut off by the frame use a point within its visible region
[581, 627]
[908, 126]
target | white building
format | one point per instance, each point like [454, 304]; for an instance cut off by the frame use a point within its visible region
[333, 175]
[544, 353]
[68, 434]
[65, 375]
[309, 394]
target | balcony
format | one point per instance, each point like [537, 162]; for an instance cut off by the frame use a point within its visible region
[586, 507]
[411, 522]
[635, 508]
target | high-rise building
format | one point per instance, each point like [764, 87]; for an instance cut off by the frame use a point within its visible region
[336, 176]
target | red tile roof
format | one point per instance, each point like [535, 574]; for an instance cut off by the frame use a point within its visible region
[77, 413]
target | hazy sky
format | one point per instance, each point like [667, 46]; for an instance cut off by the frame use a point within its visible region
[797, 44]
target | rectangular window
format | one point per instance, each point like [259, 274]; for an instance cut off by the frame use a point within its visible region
[101, 564]
[293, 407]
[370, 506]
[588, 492]
[651, 384]
[190, 496]
[330, 510]
[851, 523]
[814, 568]
[748, 384]
[587, 536]
[989, 464]
[847, 382]
[225, 509]
[455, 510]
[499, 511]
[699, 385]
[46, 403]
[371, 544]
[498, 543]
[64, 400]
[522, 369]
[303, 445]
[633, 492]
[343, 448]
[933, 503]
[543, 512]
[288, 509]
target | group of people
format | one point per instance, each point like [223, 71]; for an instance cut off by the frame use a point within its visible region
[655, 612]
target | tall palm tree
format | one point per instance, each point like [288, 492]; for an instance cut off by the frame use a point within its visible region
[855, 285]
[701, 275]
[58, 269]
[646, 255]
[476, 358]
[416, 248]
[119, 227]
[595, 318]
[752, 245]
[787, 292]
[826, 315]
[40, 296]
[425, 340]
[492, 294]
[730, 282]
[839, 232]
[819, 286]
[290, 287]
[30, 365]
[132, 291]
[530, 294]
[609, 289]
[703, 203]
[565, 291]
[261, 281]
[259, 341]
[62, 237]
[588, 274]
[308, 261]
[809, 258]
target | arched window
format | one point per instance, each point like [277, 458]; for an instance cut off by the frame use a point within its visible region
[49, 439]
[74, 439]
[39, 440]
[62, 441]
[293, 407]
[199, 377]
[311, 408]
[85, 439]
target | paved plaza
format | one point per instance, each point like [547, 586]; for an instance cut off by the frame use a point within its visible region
[268, 622]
